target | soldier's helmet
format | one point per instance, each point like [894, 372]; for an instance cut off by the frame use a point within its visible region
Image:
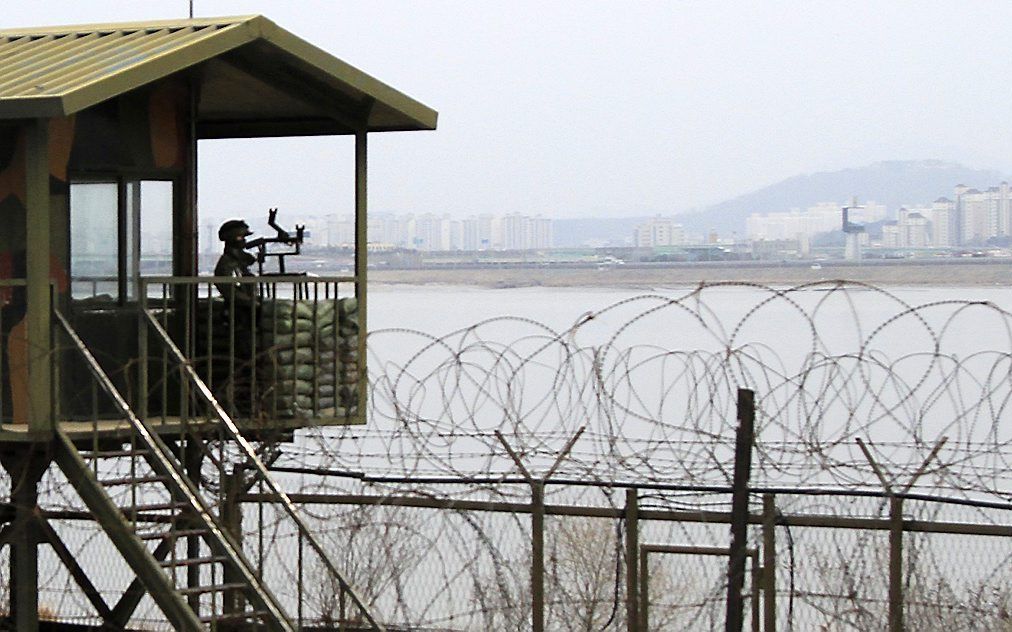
[234, 230]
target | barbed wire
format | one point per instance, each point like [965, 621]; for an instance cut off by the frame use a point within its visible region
[654, 378]
[651, 381]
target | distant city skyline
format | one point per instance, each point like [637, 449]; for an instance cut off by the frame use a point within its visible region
[575, 109]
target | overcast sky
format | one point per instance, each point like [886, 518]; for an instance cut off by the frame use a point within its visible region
[615, 108]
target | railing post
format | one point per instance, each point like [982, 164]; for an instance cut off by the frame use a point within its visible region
[739, 511]
[231, 518]
[632, 546]
[769, 574]
[644, 582]
[142, 351]
[193, 458]
[895, 564]
[538, 555]
[755, 573]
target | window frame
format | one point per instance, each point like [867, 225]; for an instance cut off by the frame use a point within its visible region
[122, 179]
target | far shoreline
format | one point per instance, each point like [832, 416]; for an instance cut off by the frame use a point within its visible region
[880, 273]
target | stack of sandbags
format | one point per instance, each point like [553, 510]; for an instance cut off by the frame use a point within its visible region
[225, 346]
[309, 357]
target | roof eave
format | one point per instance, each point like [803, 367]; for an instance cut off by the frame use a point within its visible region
[421, 117]
[48, 106]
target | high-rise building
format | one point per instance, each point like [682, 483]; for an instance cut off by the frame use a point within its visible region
[658, 231]
[944, 220]
[983, 214]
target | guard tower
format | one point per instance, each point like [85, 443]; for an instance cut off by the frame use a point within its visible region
[161, 395]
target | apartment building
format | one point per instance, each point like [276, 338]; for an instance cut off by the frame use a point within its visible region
[658, 231]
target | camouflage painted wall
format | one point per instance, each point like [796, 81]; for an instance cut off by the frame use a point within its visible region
[138, 134]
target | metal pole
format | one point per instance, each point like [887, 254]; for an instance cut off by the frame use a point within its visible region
[769, 574]
[644, 609]
[25, 472]
[739, 511]
[37, 251]
[538, 526]
[538, 555]
[231, 518]
[896, 564]
[361, 264]
[754, 580]
[632, 545]
[193, 459]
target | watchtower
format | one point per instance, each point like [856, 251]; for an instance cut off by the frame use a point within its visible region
[160, 394]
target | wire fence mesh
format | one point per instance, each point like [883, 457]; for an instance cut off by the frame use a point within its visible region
[430, 517]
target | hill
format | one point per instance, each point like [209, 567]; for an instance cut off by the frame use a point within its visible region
[893, 183]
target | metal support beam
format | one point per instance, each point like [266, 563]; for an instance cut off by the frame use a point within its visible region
[122, 536]
[690, 549]
[25, 470]
[708, 517]
[78, 574]
[231, 519]
[361, 262]
[896, 564]
[739, 511]
[194, 457]
[769, 574]
[538, 556]
[37, 317]
[632, 545]
[131, 597]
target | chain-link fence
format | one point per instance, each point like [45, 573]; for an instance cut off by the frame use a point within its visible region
[491, 488]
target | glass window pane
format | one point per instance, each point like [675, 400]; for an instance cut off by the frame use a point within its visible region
[156, 227]
[94, 240]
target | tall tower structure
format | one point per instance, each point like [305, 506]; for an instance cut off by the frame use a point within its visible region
[158, 401]
[852, 233]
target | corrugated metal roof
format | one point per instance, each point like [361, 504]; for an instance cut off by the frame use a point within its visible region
[57, 71]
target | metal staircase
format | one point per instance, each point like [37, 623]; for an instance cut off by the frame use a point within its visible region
[155, 514]
[146, 512]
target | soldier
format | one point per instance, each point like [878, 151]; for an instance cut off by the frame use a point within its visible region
[242, 302]
[235, 261]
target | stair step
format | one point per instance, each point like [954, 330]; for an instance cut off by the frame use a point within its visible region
[179, 533]
[235, 616]
[130, 480]
[131, 509]
[196, 590]
[113, 453]
[193, 561]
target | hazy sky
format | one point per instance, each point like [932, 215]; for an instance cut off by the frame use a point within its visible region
[615, 108]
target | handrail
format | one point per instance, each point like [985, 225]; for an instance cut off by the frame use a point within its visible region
[233, 432]
[169, 467]
[251, 280]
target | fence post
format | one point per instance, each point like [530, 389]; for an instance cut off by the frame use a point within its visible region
[739, 511]
[755, 586]
[895, 564]
[632, 545]
[538, 555]
[231, 518]
[769, 563]
[538, 525]
[644, 609]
